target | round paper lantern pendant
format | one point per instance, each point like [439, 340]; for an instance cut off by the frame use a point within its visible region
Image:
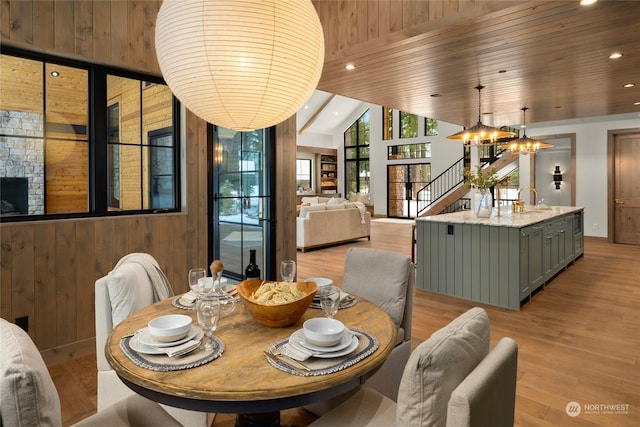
[243, 64]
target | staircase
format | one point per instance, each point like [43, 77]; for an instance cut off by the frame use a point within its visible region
[446, 189]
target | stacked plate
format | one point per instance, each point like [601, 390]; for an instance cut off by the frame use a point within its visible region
[300, 349]
[144, 343]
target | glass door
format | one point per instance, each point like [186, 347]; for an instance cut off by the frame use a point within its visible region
[241, 204]
[403, 182]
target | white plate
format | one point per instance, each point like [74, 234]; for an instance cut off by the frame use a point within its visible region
[146, 339]
[135, 343]
[298, 336]
[352, 346]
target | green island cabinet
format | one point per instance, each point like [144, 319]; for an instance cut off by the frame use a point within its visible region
[499, 260]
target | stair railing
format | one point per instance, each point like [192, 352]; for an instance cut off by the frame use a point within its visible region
[449, 180]
[440, 185]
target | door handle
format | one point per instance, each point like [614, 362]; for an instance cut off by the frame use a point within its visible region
[619, 202]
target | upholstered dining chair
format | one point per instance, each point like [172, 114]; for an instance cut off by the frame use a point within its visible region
[387, 279]
[451, 379]
[29, 397]
[135, 282]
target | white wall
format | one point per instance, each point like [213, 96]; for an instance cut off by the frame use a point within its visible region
[591, 157]
[591, 162]
[443, 151]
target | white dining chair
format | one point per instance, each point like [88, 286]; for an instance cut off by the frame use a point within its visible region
[29, 396]
[451, 380]
[135, 282]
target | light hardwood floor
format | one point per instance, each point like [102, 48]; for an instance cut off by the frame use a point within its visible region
[578, 338]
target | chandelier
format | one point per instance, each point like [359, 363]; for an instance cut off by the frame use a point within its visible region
[242, 65]
[524, 144]
[480, 134]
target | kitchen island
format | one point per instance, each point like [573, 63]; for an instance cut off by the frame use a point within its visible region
[499, 260]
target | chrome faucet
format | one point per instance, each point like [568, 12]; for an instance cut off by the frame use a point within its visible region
[535, 192]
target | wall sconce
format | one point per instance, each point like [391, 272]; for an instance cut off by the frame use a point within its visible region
[219, 154]
[557, 177]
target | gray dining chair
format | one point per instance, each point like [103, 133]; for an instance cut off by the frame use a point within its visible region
[387, 279]
[30, 398]
[451, 379]
[135, 282]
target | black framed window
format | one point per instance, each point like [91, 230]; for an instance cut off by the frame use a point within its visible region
[303, 174]
[356, 155]
[409, 151]
[387, 123]
[408, 125]
[89, 140]
[430, 127]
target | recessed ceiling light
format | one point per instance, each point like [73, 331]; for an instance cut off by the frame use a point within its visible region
[55, 73]
[629, 85]
[587, 2]
[349, 67]
[615, 55]
[306, 107]
[335, 113]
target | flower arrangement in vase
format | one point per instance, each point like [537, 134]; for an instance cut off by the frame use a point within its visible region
[482, 180]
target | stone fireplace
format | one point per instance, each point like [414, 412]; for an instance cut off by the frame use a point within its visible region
[14, 195]
[21, 163]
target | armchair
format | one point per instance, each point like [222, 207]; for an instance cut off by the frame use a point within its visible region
[29, 397]
[135, 282]
[451, 379]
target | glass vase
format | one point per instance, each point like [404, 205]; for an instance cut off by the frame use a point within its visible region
[484, 203]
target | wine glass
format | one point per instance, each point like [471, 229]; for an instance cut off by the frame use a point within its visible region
[329, 300]
[208, 310]
[195, 274]
[288, 270]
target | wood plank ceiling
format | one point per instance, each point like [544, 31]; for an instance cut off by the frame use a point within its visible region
[550, 56]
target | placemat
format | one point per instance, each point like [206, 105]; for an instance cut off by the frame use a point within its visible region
[343, 304]
[366, 346]
[164, 363]
[178, 304]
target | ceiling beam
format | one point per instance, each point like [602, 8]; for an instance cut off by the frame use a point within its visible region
[313, 118]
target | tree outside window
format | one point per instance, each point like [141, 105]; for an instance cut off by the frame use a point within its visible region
[408, 125]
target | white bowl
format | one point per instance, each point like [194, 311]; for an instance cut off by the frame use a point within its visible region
[171, 327]
[323, 331]
[320, 281]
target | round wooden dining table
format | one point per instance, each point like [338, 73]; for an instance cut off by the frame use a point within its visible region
[241, 380]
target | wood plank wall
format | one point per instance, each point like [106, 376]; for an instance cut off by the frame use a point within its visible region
[348, 23]
[48, 268]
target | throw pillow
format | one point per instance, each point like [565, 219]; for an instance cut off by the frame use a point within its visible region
[304, 211]
[438, 365]
[29, 397]
[310, 200]
[335, 200]
[129, 290]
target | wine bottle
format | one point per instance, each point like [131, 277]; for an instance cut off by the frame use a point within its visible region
[252, 271]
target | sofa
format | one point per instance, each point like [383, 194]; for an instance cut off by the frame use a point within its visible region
[327, 224]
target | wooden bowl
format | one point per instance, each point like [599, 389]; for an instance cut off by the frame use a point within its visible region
[279, 315]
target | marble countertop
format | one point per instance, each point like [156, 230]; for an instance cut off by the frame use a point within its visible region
[531, 215]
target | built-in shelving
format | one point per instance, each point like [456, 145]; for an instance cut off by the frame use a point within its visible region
[328, 174]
